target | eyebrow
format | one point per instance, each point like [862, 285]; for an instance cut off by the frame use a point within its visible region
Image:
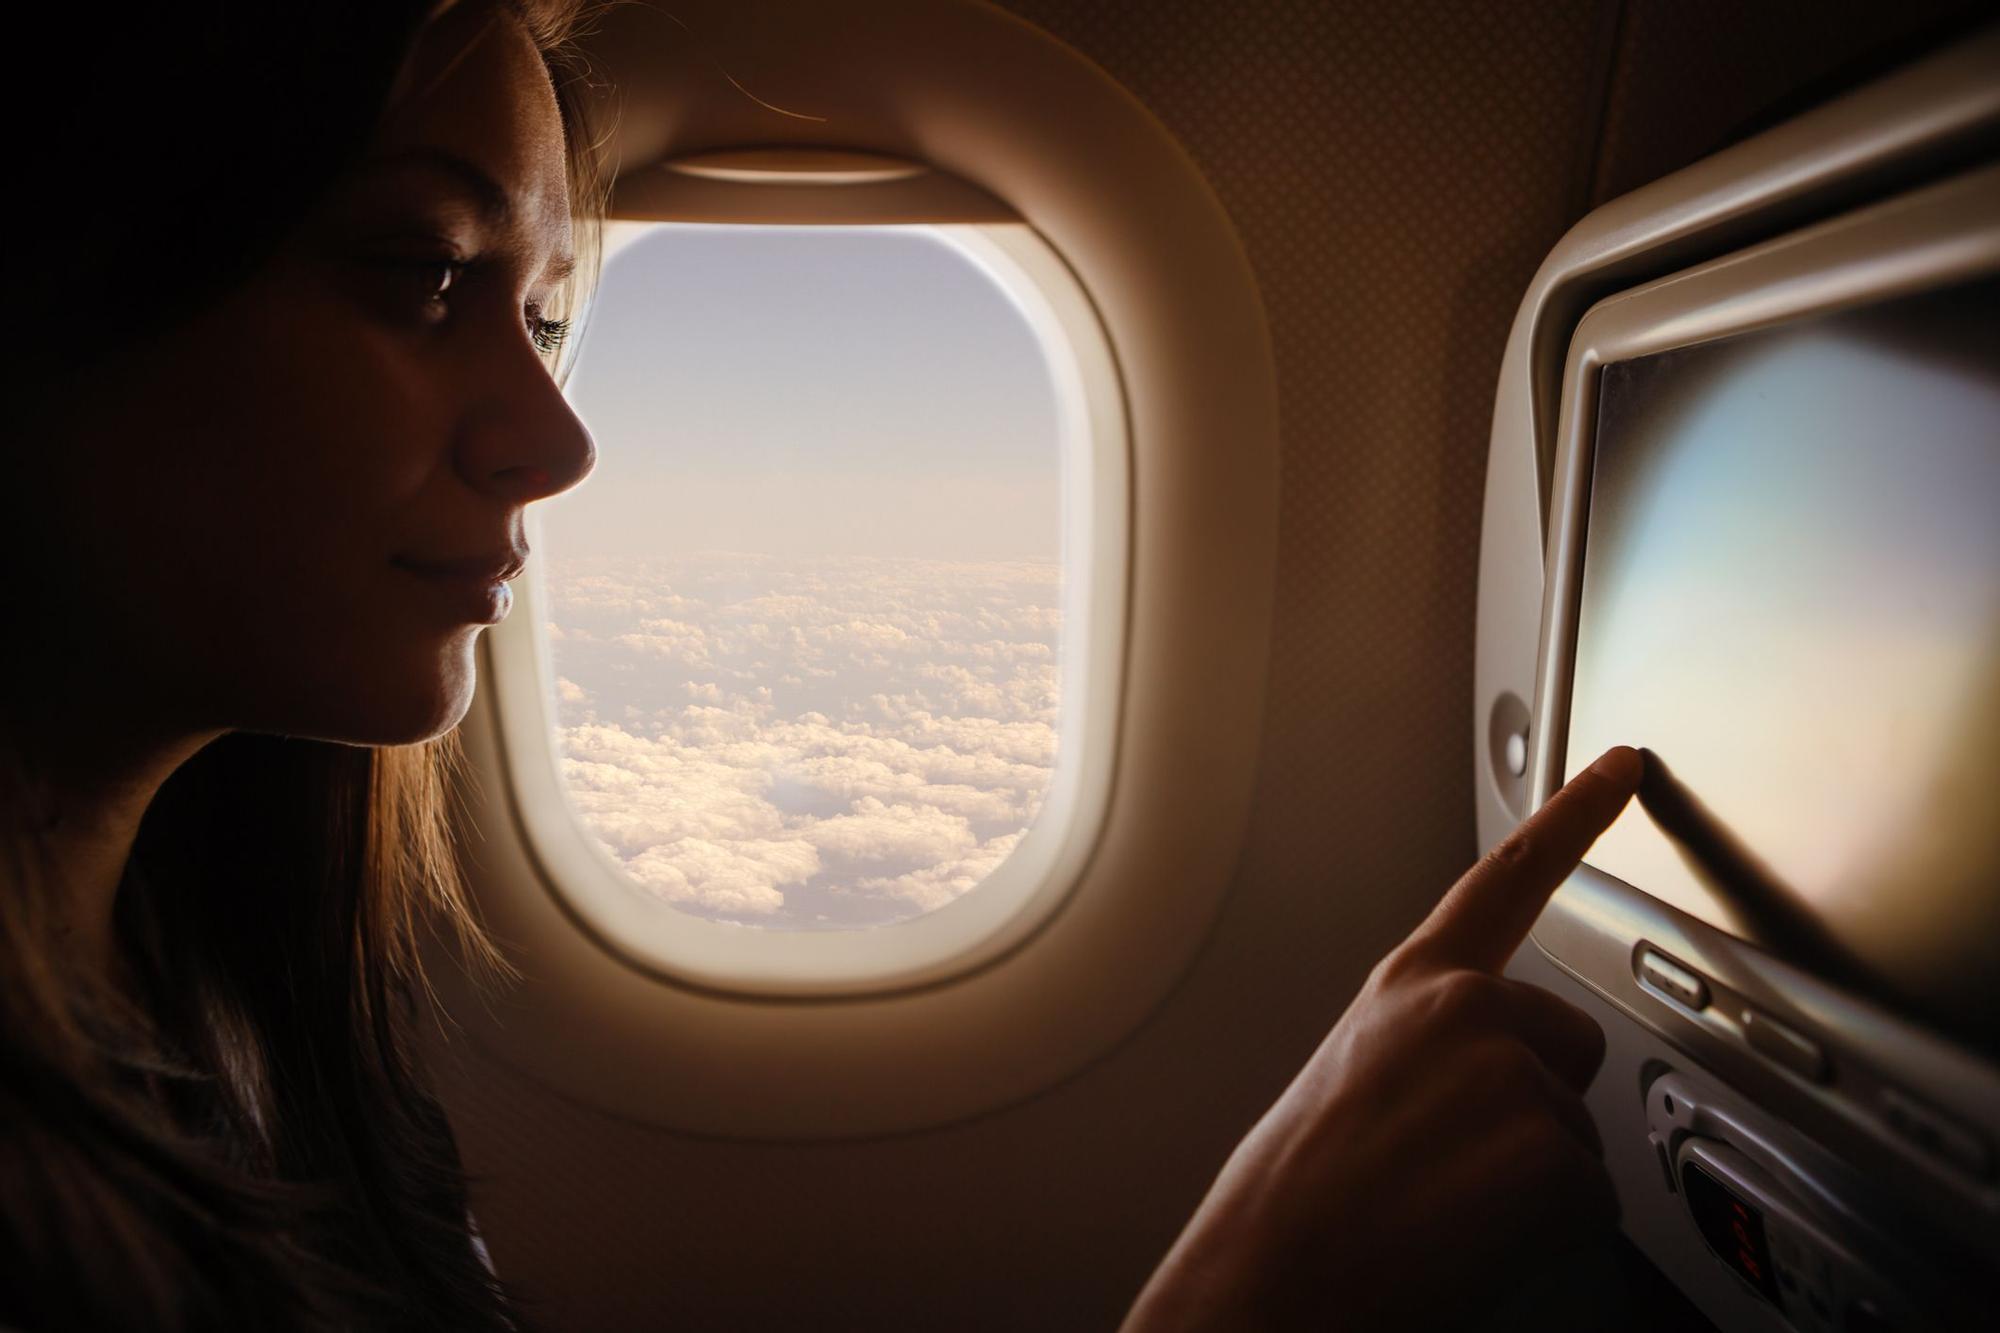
[489, 198]
[486, 193]
[559, 269]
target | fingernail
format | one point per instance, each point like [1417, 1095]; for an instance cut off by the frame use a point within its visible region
[1620, 764]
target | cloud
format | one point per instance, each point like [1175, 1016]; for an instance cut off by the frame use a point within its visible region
[878, 831]
[801, 743]
[724, 877]
[935, 885]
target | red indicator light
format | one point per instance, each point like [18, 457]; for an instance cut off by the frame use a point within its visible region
[1733, 1227]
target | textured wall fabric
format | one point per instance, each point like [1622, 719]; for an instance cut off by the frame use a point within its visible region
[1692, 75]
[1397, 169]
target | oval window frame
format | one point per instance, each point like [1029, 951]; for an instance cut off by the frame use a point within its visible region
[1011, 902]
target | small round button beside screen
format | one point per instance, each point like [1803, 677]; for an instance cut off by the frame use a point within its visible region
[1507, 756]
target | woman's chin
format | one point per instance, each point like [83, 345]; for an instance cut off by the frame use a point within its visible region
[423, 720]
[386, 701]
[424, 708]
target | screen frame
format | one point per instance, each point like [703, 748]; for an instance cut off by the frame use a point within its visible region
[1595, 924]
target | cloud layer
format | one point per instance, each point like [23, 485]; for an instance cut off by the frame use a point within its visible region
[806, 745]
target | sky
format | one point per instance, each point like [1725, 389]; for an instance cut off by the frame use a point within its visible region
[804, 616]
[810, 391]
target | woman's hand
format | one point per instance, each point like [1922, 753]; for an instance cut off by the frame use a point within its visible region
[1436, 1140]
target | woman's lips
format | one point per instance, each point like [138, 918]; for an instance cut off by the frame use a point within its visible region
[474, 588]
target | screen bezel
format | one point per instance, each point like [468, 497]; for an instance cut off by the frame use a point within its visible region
[1936, 237]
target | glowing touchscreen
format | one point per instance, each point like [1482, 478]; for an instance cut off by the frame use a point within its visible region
[1791, 596]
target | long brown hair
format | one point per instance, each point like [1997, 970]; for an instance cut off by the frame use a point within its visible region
[253, 1143]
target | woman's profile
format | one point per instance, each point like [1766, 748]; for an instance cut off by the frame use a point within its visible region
[271, 454]
[288, 391]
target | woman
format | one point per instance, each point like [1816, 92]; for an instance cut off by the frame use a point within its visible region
[274, 434]
[272, 445]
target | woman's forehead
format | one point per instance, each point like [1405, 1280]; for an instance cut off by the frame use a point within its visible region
[478, 90]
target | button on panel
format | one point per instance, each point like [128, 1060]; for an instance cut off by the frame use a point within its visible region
[1784, 1047]
[1677, 983]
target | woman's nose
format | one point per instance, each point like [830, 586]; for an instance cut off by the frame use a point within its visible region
[526, 445]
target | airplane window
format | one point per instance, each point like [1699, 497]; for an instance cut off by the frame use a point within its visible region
[804, 622]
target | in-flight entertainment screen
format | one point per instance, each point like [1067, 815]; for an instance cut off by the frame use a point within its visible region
[1790, 596]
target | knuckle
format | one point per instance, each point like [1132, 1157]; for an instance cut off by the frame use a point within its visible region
[1590, 1039]
[1574, 1016]
[1396, 967]
[1554, 1003]
[1460, 996]
[1509, 1070]
[1576, 1028]
[1560, 1174]
[1515, 848]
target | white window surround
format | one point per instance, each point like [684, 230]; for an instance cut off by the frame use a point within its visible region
[991, 120]
[1021, 892]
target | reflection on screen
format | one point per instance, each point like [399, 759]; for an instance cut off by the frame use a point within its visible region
[1791, 596]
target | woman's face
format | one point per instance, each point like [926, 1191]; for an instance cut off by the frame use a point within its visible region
[296, 513]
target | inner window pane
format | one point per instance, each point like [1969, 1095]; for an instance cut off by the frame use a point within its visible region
[804, 617]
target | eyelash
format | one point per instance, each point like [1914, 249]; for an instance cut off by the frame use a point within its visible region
[547, 334]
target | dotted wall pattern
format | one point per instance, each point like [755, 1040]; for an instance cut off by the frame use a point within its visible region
[1397, 169]
[1694, 75]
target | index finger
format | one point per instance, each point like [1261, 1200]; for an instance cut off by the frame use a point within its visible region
[1486, 915]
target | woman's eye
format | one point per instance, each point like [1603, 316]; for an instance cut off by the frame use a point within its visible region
[415, 288]
[438, 276]
[547, 334]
